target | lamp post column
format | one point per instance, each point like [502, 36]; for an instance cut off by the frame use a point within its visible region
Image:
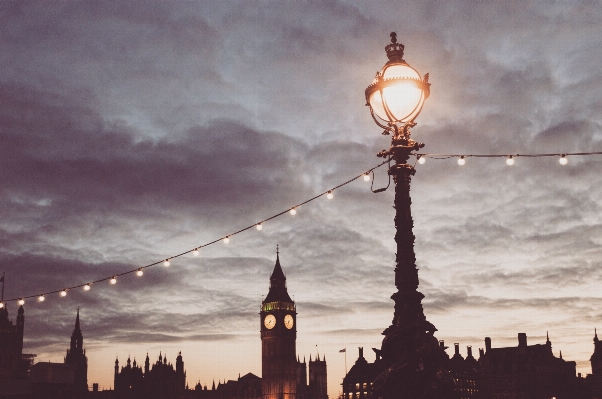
[415, 364]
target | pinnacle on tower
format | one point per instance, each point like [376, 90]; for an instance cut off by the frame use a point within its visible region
[278, 292]
[77, 328]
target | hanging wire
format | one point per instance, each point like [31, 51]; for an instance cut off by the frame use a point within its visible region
[380, 190]
[197, 248]
[447, 156]
[388, 161]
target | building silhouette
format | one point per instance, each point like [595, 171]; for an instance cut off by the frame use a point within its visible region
[76, 357]
[525, 371]
[359, 380]
[594, 380]
[317, 387]
[278, 321]
[159, 380]
[283, 375]
[517, 372]
[12, 366]
[464, 372]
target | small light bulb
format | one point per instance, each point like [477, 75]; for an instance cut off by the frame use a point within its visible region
[366, 177]
[87, 287]
[293, 211]
[63, 293]
[21, 302]
[1, 305]
[259, 227]
[510, 161]
[330, 195]
[421, 160]
[114, 280]
[563, 160]
[166, 263]
[41, 298]
[195, 252]
[461, 161]
[227, 240]
[139, 273]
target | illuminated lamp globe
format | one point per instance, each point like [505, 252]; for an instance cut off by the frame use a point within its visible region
[366, 177]
[87, 287]
[563, 160]
[21, 302]
[114, 280]
[139, 273]
[41, 298]
[1, 305]
[63, 293]
[397, 93]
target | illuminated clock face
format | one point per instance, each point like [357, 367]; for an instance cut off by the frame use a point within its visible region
[288, 321]
[269, 322]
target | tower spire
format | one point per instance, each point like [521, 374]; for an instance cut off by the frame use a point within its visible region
[77, 328]
[278, 290]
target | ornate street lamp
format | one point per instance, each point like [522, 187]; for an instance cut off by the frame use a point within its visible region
[416, 365]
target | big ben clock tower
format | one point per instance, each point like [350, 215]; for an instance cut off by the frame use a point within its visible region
[278, 318]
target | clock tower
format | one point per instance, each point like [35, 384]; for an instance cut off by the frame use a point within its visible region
[278, 318]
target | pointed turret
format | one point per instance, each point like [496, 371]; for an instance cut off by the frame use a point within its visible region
[146, 364]
[76, 356]
[278, 290]
[596, 358]
[77, 339]
[20, 328]
[116, 371]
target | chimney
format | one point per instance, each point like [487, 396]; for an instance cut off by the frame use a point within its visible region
[457, 348]
[469, 351]
[522, 339]
[481, 352]
[487, 344]
[442, 344]
[361, 348]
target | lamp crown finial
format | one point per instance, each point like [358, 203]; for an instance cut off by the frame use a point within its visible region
[395, 50]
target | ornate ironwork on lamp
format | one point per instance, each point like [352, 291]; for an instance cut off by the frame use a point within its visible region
[416, 365]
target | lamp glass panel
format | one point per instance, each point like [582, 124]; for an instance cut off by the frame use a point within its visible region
[402, 99]
[376, 102]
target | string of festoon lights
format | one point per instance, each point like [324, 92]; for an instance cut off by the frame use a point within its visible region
[562, 158]
[329, 194]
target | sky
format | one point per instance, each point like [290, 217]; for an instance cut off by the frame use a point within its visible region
[134, 131]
